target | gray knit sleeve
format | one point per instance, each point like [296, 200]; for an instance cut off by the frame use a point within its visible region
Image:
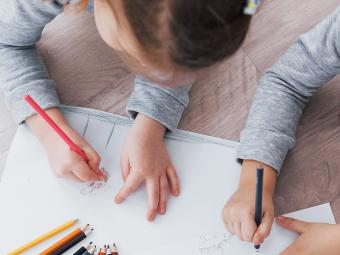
[286, 88]
[165, 105]
[21, 68]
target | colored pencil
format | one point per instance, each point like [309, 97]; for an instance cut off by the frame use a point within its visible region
[56, 128]
[43, 237]
[93, 250]
[108, 251]
[258, 203]
[103, 251]
[114, 250]
[72, 242]
[90, 251]
[64, 241]
[83, 249]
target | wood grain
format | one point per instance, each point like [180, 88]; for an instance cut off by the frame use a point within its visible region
[90, 74]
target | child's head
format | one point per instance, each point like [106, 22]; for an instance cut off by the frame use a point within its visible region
[167, 38]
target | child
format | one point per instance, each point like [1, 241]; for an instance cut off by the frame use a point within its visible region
[269, 133]
[165, 41]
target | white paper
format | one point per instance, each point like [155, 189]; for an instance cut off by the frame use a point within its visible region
[33, 201]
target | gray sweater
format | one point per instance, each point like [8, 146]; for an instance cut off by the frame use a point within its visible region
[269, 134]
[285, 89]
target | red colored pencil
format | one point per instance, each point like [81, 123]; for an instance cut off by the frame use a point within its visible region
[56, 128]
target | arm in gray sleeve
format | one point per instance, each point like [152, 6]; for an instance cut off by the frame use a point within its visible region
[286, 88]
[164, 105]
[21, 68]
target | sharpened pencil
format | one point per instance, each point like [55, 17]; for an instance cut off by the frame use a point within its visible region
[83, 249]
[44, 237]
[72, 242]
[64, 240]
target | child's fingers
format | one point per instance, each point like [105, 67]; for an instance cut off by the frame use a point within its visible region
[173, 179]
[152, 189]
[125, 166]
[248, 228]
[94, 158]
[164, 193]
[293, 225]
[263, 230]
[73, 177]
[82, 171]
[133, 181]
[237, 229]
[229, 225]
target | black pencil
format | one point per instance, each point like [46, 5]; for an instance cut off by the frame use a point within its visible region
[73, 242]
[83, 249]
[258, 199]
[90, 251]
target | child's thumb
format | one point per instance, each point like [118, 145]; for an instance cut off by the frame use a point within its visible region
[264, 229]
[292, 224]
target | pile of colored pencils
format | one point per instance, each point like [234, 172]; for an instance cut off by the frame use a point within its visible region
[91, 249]
[68, 242]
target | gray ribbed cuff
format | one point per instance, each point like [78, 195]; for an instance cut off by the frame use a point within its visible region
[264, 146]
[43, 92]
[157, 103]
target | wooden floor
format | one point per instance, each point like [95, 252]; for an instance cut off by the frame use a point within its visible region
[89, 74]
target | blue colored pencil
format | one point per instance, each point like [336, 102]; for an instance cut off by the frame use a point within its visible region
[258, 199]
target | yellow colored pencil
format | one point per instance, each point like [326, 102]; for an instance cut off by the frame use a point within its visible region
[43, 237]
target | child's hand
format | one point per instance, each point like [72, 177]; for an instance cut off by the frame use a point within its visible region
[63, 161]
[315, 238]
[239, 212]
[145, 158]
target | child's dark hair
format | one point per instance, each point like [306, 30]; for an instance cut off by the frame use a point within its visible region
[198, 33]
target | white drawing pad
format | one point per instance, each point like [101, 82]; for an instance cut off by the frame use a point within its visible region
[33, 201]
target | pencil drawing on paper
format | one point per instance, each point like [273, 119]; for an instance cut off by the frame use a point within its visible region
[215, 244]
[90, 188]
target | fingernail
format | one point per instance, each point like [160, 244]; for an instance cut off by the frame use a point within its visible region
[281, 218]
[162, 210]
[152, 215]
[176, 192]
[119, 200]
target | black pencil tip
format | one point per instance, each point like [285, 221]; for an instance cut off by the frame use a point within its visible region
[257, 246]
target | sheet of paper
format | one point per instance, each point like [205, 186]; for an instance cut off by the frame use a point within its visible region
[35, 201]
[224, 244]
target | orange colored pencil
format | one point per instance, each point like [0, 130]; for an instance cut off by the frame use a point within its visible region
[64, 240]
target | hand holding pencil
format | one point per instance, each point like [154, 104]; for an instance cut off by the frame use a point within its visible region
[81, 165]
[238, 213]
